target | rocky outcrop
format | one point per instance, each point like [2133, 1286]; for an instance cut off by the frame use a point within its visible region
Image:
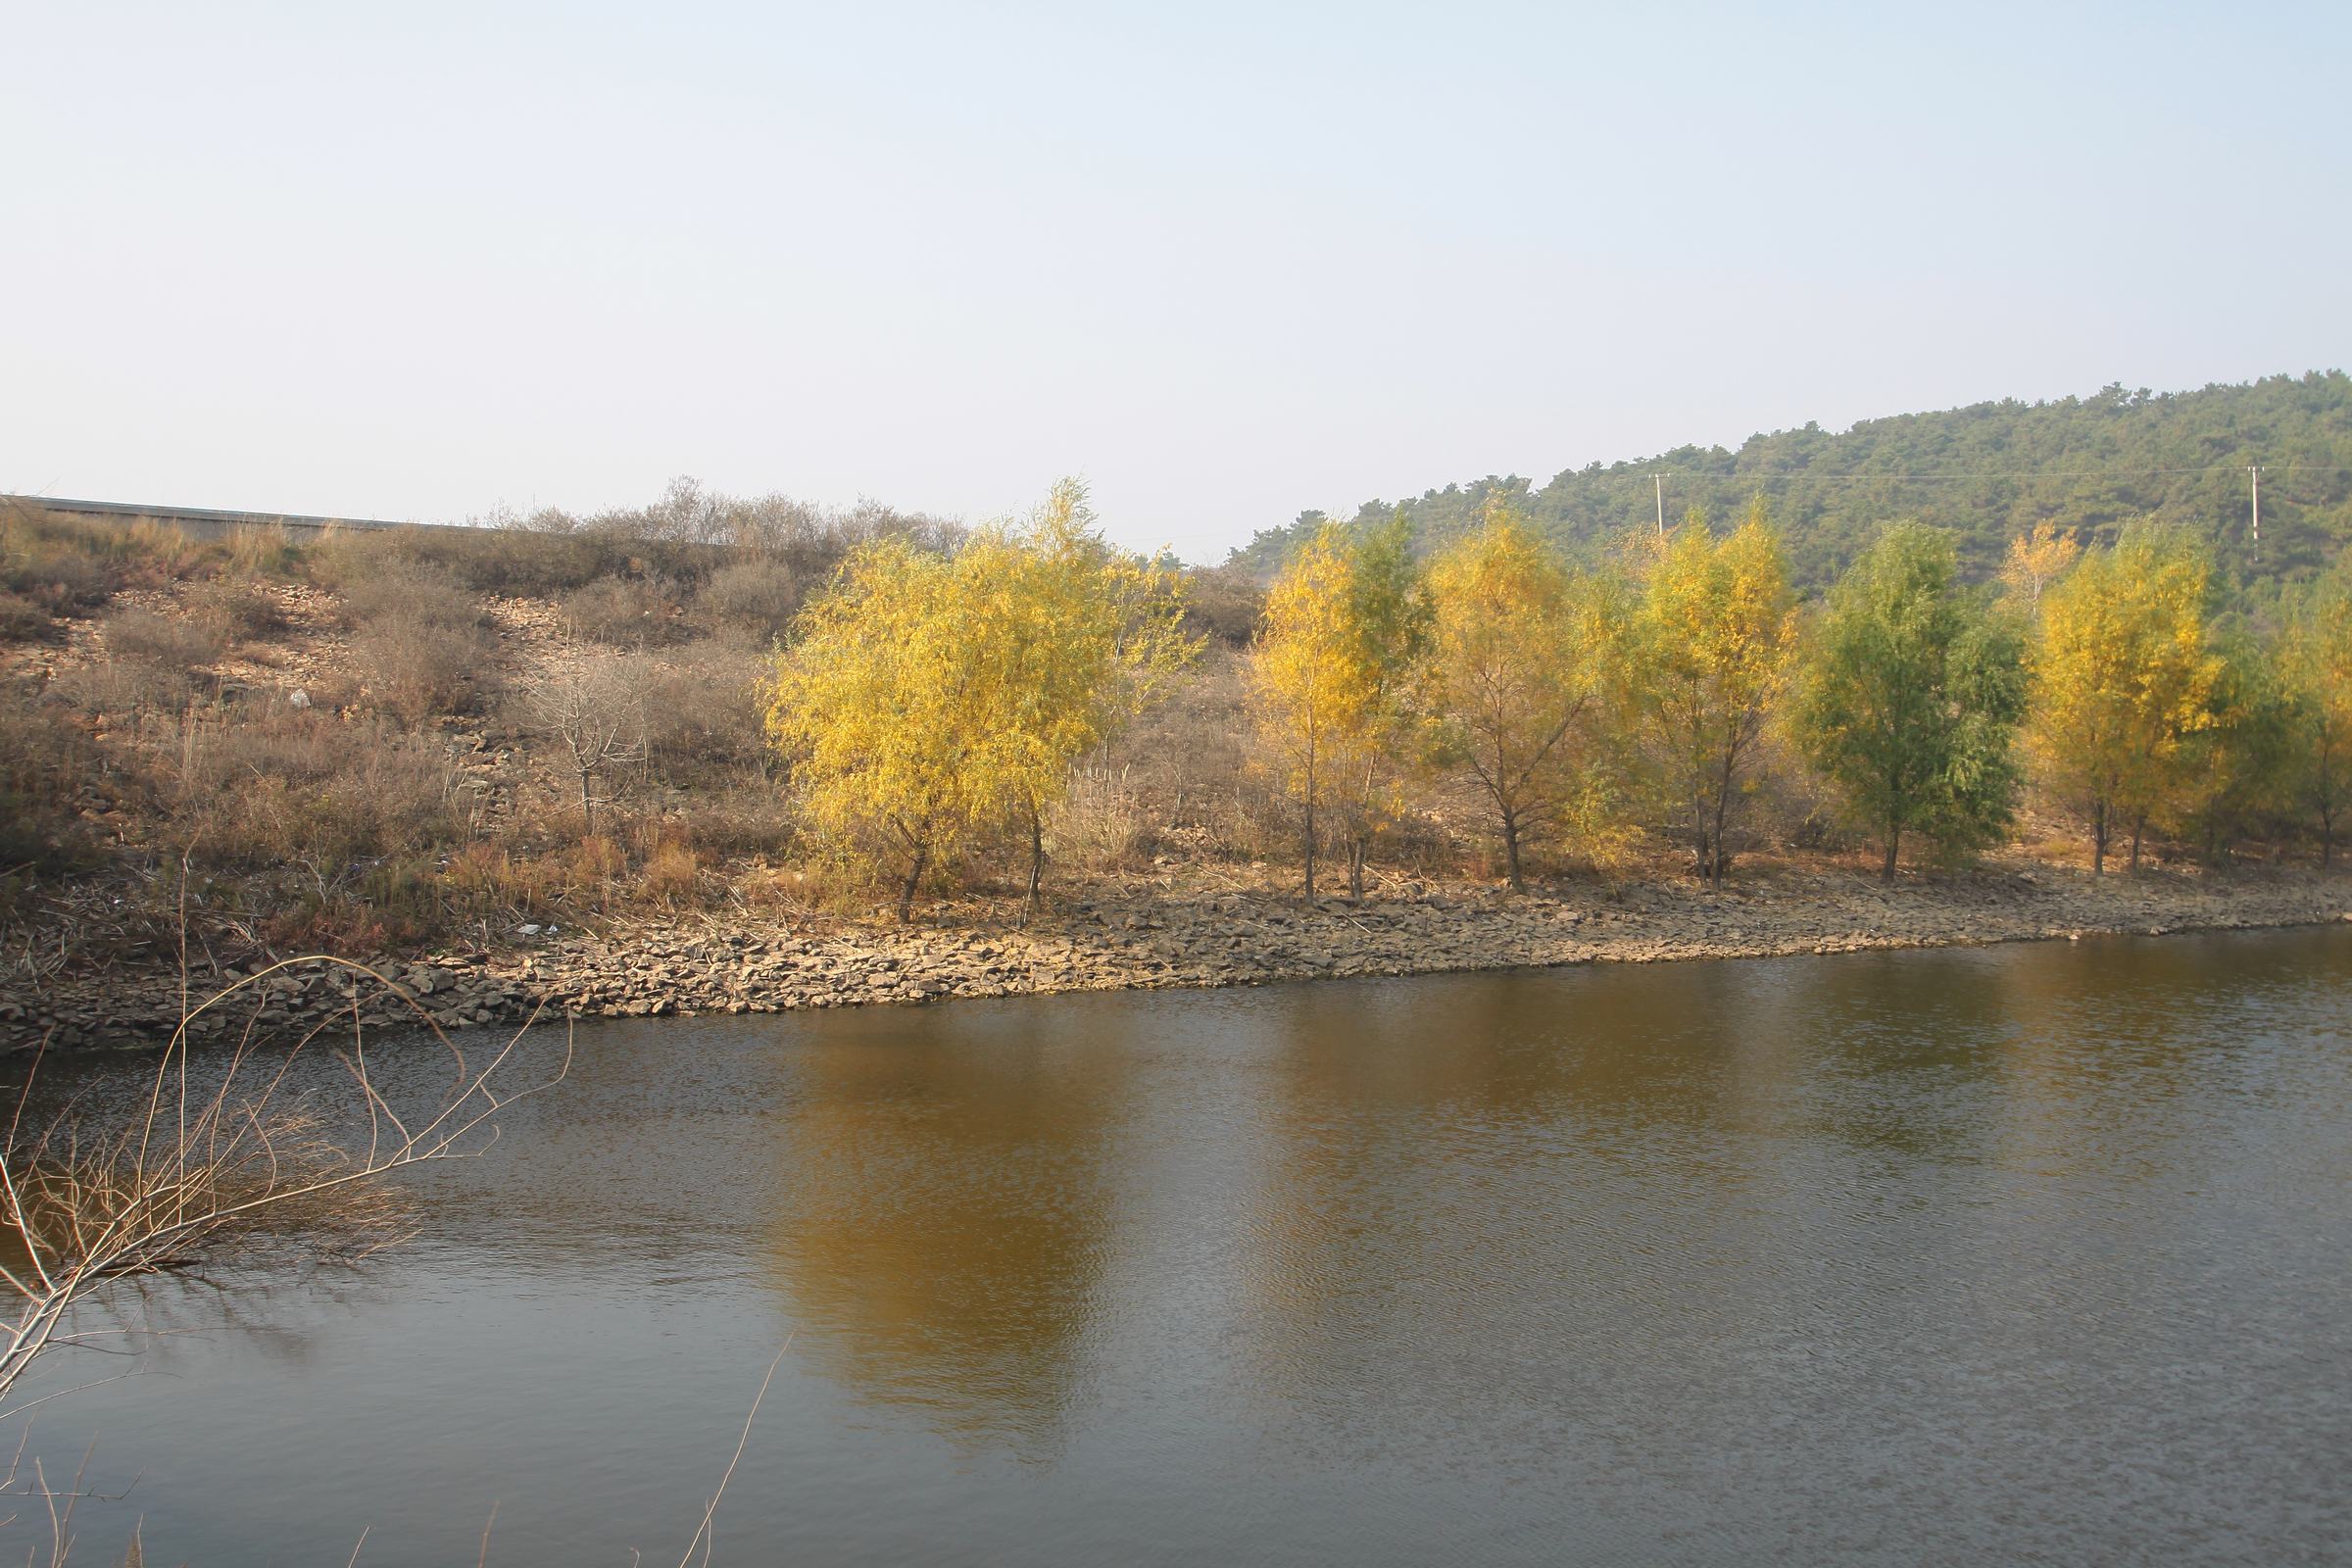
[1157, 940]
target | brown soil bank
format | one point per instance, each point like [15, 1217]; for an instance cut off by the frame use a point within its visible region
[1166, 940]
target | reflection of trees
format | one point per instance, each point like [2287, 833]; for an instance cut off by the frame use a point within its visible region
[1517, 1190]
[1475, 1179]
[942, 1214]
[2125, 1050]
[1896, 1056]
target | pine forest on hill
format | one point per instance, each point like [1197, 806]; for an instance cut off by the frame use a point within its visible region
[1988, 472]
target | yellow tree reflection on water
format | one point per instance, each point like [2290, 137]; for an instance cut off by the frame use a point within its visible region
[941, 1213]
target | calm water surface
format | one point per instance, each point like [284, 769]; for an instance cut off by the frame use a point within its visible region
[2028, 1254]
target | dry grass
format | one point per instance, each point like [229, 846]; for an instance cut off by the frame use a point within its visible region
[751, 603]
[418, 673]
[173, 644]
[236, 611]
[628, 612]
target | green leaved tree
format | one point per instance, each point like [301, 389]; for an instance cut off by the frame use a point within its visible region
[1912, 698]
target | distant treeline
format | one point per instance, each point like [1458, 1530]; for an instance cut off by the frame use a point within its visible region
[1986, 472]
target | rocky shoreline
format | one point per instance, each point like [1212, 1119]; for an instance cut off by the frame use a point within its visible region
[1159, 940]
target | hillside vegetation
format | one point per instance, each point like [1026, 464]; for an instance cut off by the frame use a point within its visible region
[375, 741]
[1988, 472]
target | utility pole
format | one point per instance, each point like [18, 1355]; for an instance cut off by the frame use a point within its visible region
[1658, 480]
[2256, 475]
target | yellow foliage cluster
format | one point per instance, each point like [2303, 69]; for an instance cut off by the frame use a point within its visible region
[1534, 686]
[1713, 636]
[1520, 657]
[2038, 559]
[2319, 677]
[927, 700]
[1317, 685]
[2123, 673]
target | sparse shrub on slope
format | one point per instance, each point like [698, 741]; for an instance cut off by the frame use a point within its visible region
[238, 611]
[628, 612]
[171, 643]
[422, 648]
[44, 760]
[21, 620]
[405, 590]
[416, 671]
[750, 601]
[1223, 604]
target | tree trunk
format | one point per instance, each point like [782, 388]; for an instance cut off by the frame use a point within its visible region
[587, 806]
[1719, 862]
[1894, 840]
[1037, 863]
[1355, 870]
[1510, 851]
[1310, 851]
[914, 878]
[2139, 825]
[2098, 838]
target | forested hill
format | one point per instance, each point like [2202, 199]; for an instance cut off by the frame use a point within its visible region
[1989, 470]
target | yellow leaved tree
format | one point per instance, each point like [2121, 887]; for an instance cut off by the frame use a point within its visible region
[872, 704]
[1714, 631]
[1517, 671]
[1315, 685]
[926, 701]
[2037, 559]
[2317, 665]
[2123, 674]
[1070, 639]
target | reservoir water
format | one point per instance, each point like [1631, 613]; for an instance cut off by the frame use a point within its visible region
[2031, 1253]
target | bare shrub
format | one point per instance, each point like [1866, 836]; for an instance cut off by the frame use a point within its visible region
[1187, 763]
[672, 872]
[546, 562]
[407, 594]
[306, 791]
[21, 620]
[152, 554]
[702, 712]
[222, 1161]
[116, 687]
[168, 642]
[627, 612]
[69, 566]
[591, 870]
[417, 671]
[61, 582]
[236, 611]
[486, 877]
[1103, 827]
[340, 559]
[52, 563]
[1223, 604]
[262, 550]
[592, 710]
[750, 601]
[46, 763]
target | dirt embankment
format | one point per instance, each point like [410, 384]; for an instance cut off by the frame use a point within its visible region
[1127, 941]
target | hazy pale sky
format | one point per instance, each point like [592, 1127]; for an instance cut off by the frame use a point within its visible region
[1225, 262]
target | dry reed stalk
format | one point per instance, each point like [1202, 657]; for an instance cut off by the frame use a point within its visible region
[196, 1174]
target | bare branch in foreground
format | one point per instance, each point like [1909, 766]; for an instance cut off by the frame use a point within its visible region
[201, 1174]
